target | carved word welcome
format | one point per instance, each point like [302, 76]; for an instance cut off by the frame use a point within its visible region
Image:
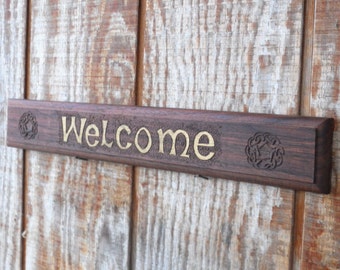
[143, 139]
[291, 152]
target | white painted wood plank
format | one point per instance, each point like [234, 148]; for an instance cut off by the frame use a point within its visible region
[220, 55]
[12, 77]
[78, 212]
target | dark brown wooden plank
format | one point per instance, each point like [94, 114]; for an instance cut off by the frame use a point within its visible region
[281, 150]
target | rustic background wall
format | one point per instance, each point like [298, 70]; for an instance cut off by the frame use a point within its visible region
[265, 56]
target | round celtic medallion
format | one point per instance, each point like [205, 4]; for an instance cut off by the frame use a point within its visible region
[28, 126]
[264, 151]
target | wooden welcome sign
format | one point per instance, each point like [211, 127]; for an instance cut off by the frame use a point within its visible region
[285, 151]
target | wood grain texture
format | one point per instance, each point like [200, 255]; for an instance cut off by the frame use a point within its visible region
[78, 212]
[320, 244]
[286, 151]
[220, 55]
[12, 76]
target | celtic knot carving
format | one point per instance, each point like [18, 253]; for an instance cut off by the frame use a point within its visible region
[264, 151]
[28, 126]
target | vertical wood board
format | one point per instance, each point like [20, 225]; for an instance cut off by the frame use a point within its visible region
[12, 78]
[78, 212]
[321, 231]
[221, 55]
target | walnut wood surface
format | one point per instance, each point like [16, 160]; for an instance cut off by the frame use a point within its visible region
[268, 149]
[12, 80]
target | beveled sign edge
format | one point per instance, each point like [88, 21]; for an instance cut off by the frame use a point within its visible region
[323, 151]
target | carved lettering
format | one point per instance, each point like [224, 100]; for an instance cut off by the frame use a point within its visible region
[145, 139]
[104, 142]
[198, 143]
[88, 134]
[173, 136]
[73, 127]
[148, 146]
[119, 130]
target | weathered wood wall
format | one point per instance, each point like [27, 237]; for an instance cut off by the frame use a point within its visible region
[78, 212]
[12, 83]
[220, 55]
[252, 56]
[319, 230]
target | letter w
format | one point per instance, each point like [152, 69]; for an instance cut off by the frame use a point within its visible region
[73, 127]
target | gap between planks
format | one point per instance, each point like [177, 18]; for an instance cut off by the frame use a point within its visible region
[138, 102]
[24, 157]
[304, 109]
